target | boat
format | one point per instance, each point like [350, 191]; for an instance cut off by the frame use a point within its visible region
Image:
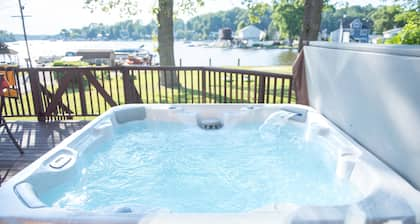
[47, 60]
[133, 56]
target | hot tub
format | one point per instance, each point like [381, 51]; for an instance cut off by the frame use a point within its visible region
[211, 164]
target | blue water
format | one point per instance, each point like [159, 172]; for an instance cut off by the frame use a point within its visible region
[181, 168]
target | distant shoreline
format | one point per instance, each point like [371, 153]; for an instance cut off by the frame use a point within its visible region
[176, 41]
[200, 54]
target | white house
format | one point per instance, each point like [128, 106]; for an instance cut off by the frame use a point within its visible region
[250, 32]
[391, 33]
[351, 31]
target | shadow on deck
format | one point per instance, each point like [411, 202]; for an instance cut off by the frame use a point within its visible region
[36, 138]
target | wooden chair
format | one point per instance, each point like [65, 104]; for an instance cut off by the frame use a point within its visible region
[8, 89]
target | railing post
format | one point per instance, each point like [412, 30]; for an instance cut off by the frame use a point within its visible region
[289, 97]
[36, 94]
[203, 86]
[82, 93]
[261, 89]
[130, 92]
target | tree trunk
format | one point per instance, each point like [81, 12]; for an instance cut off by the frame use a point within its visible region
[311, 21]
[166, 43]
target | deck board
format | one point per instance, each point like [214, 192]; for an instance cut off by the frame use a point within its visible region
[36, 138]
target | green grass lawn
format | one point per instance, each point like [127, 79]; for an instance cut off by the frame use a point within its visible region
[285, 69]
[235, 88]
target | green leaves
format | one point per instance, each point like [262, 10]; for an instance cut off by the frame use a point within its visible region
[256, 11]
[6, 36]
[287, 16]
[126, 8]
[384, 18]
[408, 16]
[410, 34]
[189, 6]
[409, 4]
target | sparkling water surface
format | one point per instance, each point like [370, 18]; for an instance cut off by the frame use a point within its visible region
[182, 168]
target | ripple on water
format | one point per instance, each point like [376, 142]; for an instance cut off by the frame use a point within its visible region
[187, 169]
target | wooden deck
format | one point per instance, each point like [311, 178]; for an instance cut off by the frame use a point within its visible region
[36, 138]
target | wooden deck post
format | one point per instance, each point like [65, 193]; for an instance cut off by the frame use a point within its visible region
[36, 94]
[203, 86]
[130, 92]
[82, 95]
[261, 89]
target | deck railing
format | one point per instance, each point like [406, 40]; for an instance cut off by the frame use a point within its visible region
[66, 92]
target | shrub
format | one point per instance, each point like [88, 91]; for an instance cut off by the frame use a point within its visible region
[60, 75]
[70, 63]
[410, 34]
[394, 40]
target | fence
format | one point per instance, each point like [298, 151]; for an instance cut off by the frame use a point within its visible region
[64, 92]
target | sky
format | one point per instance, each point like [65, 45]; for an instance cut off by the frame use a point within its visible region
[50, 16]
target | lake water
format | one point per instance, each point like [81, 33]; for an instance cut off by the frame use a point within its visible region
[190, 56]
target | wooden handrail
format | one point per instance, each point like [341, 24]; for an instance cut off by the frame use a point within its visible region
[67, 92]
[167, 68]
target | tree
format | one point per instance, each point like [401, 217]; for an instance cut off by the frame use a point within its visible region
[412, 16]
[330, 20]
[287, 15]
[205, 25]
[332, 17]
[165, 31]
[65, 34]
[410, 34]
[165, 14]
[311, 21]
[259, 13]
[296, 16]
[409, 4]
[241, 25]
[6, 36]
[179, 28]
[272, 32]
[384, 18]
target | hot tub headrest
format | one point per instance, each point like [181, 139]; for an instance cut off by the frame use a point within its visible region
[130, 114]
[27, 195]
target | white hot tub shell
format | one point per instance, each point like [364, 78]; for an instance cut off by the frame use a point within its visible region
[386, 196]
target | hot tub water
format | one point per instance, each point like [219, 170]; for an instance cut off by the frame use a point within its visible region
[183, 168]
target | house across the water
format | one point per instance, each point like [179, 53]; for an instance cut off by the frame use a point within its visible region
[97, 56]
[388, 34]
[354, 31]
[250, 33]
